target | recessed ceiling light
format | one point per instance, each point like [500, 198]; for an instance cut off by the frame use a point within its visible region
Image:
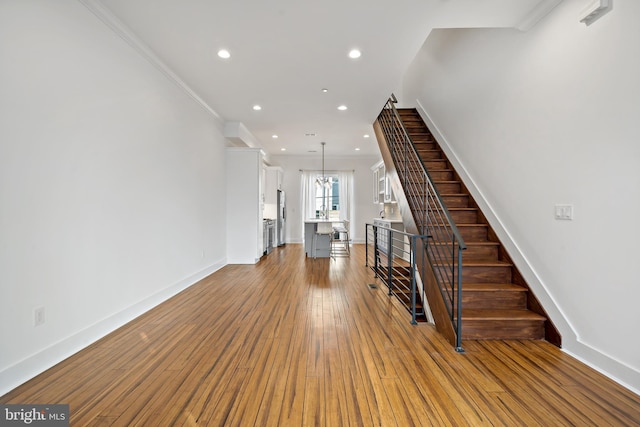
[224, 54]
[354, 54]
[257, 107]
[274, 136]
[366, 135]
[342, 107]
[325, 90]
[283, 149]
[357, 149]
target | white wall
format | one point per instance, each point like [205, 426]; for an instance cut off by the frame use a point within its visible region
[551, 117]
[110, 184]
[364, 208]
[244, 205]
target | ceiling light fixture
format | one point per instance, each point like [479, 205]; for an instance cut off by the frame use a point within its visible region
[224, 54]
[342, 107]
[357, 149]
[366, 135]
[355, 54]
[283, 149]
[325, 90]
[274, 136]
[257, 107]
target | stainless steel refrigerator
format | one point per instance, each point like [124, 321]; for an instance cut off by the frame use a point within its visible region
[281, 219]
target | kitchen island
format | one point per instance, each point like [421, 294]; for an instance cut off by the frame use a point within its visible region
[323, 242]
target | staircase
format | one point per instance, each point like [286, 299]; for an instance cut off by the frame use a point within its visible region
[496, 302]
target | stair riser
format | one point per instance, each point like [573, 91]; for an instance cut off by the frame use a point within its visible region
[473, 233]
[470, 233]
[456, 201]
[421, 136]
[448, 187]
[416, 128]
[502, 330]
[475, 274]
[414, 125]
[498, 300]
[426, 143]
[441, 175]
[464, 217]
[436, 164]
[475, 253]
[458, 216]
[430, 154]
[480, 253]
[486, 274]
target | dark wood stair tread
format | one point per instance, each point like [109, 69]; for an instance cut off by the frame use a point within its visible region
[481, 314]
[472, 243]
[478, 263]
[492, 287]
[453, 181]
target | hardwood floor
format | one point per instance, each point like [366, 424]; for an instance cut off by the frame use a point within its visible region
[293, 341]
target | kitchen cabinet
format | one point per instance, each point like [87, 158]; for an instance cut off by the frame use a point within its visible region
[382, 192]
[244, 181]
[273, 183]
[399, 244]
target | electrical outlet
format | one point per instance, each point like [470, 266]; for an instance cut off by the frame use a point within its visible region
[38, 316]
[564, 212]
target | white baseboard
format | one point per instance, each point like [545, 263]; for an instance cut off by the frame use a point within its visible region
[34, 365]
[607, 365]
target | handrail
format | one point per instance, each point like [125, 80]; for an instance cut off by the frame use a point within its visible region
[392, 255]
[445, 244]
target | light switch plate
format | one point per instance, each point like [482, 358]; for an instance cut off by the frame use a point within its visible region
[564, 212]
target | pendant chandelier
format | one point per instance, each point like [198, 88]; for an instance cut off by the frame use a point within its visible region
[323, 180]
[323, 183]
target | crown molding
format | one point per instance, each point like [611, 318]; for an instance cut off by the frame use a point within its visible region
[541, 10]
[118, 27]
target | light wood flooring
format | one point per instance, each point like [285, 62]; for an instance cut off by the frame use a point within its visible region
[293, 341]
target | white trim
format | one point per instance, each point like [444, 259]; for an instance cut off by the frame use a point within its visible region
[118, 27]
[35, 364]
[534, 16]
[615, 369]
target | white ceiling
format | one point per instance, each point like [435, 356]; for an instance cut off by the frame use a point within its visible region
[284, 52]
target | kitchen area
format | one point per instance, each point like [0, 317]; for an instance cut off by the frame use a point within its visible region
[264, 201]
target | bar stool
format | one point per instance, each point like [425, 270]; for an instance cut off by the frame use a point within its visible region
[342, 230]
[323, 229]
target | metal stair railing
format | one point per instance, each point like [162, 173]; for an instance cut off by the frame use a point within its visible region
[392, 256]
[444, 245]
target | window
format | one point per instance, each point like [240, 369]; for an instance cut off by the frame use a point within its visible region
[327, 197]
[329, 200]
